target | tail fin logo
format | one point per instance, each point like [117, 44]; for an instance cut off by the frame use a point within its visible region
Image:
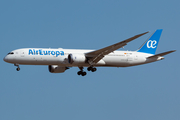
[151, 44]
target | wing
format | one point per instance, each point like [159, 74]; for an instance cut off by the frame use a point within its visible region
[97, 55]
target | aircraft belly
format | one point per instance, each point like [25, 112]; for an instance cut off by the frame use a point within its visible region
[123, 61]
[120, 61]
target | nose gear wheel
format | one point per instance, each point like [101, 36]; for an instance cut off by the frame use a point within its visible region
[18, 68]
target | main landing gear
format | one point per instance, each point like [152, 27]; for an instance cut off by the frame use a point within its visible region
[93, 69]
[83, 73]
[18, 68]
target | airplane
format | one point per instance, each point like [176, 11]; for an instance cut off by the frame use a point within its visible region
[59, 60]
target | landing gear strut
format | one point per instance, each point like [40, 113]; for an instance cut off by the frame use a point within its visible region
[91, 68]
[81, 72]
[18, 68]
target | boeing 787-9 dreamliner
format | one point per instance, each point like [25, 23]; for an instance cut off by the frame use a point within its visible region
[59, 60]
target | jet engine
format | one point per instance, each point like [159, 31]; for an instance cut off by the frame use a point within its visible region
[76, 58]
[57, 69]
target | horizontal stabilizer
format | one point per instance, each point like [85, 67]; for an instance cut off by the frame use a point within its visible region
[161, 54]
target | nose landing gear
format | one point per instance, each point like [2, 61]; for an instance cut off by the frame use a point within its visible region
[18, 68]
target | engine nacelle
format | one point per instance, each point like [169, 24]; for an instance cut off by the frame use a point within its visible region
[76, 58]
[56, 69]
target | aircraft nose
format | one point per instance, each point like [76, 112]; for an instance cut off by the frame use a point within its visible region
[5, 59]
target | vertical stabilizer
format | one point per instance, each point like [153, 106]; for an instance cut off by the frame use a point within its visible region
[151, 44]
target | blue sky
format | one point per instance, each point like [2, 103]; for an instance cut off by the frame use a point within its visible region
[143, 92]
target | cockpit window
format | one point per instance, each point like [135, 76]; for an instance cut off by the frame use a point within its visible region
[10, 53]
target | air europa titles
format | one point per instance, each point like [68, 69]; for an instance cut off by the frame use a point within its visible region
[45, 52]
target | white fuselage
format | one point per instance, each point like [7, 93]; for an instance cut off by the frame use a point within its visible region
[59, 60]
[40, 56]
